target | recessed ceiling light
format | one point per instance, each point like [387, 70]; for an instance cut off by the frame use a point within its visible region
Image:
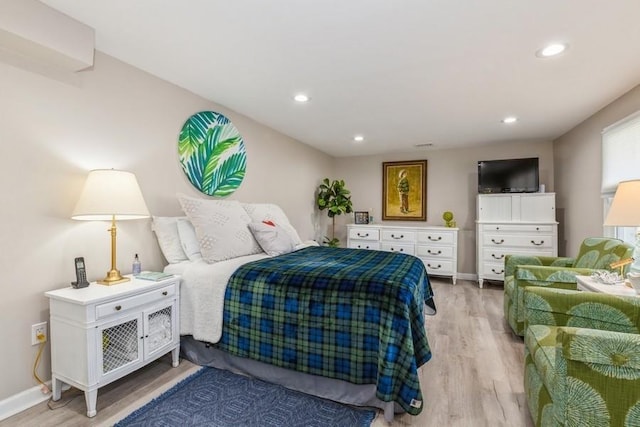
[358, 138]
[510, 119]
[301, 97]
[551, 50]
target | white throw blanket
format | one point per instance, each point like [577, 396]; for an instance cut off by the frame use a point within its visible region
[202, 296]
[202, 292]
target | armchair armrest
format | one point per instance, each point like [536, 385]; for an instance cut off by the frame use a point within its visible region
[619, 350]
[561, 307]
[512, 261]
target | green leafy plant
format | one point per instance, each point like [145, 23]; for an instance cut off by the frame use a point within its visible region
[336, 199]
[448, 219]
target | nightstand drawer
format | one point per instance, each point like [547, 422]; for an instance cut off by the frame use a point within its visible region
[119, 306]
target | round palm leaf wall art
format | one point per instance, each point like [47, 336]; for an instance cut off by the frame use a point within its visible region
[212, 153]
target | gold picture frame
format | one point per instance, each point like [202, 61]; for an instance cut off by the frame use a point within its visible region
[404, 190]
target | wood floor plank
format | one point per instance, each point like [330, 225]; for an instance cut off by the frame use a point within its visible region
[474, 379]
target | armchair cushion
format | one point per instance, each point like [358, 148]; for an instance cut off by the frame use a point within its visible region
[559, 307]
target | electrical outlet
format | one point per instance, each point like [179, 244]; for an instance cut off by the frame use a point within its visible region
[38, 330]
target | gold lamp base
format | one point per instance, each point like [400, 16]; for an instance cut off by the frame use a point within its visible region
[113, 278]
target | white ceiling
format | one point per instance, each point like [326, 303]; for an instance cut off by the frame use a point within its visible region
[399, 72]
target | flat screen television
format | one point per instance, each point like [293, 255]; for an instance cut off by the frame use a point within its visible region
[508, 176]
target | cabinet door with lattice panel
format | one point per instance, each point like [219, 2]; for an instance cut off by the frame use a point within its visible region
[160, 332]
[119, 345]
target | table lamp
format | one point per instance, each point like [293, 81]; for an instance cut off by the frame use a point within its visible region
[110, 195]
[625, 212]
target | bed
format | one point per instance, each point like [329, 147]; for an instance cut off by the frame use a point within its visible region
[342, 324]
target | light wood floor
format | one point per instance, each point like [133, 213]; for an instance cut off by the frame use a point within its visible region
[473, 380]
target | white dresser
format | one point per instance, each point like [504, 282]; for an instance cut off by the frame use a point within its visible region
[518, 224]
[437, 247]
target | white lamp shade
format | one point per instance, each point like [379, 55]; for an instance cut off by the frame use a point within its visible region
[109, 192]
[625, 208]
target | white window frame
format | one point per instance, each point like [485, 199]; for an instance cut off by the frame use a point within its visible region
[620, 160]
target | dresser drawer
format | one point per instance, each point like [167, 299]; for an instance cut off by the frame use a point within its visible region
[119, 306]
[499, 254]
[440, 237]
[524, 228]
[438, 266]
[494, 270]
[363, 244]
[399, 235]
[434, 251]
[518, 241]
[398, 247]
[362, 233]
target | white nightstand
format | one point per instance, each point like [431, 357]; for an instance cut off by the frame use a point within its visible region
[586, 283]
[102, 333]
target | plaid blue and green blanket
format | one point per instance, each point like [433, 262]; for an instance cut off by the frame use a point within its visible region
[354, 315]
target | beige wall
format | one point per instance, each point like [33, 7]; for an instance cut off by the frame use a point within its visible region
[53, 131]
[452, 185]
[578, 159]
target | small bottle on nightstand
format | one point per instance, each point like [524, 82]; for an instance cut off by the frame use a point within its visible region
[137, 266]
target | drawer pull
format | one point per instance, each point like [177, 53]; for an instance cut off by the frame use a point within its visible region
[497, 228]
[497, 257]
[360, 247]
[165, 293]
[537, 228]
[398, 250]
[118, 307]
[363, 235]
[498, 243]
[434, 253]
[497, 272]
[437, 239]
[538, 244]
[396, 237]
[434, 267]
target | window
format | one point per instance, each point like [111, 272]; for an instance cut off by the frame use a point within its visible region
[620, 160]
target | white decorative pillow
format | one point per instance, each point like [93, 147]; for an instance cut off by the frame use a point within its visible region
[273, 239]
[221, 227]
[270, 212]
[188, 239]
[166, 230]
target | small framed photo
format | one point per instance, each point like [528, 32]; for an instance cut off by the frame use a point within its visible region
[361, 217]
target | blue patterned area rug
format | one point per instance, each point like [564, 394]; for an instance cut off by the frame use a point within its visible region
[217, 398]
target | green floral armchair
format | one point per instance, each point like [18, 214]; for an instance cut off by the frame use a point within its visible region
[596, 253]
[582, 358]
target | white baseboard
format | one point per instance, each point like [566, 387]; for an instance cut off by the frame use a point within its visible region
[468, 276]
[21, 401]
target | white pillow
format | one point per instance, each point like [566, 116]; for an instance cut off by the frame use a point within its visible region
[188, 239]
[269, 212]
[221, 227]
[166, 230]
[273, 239]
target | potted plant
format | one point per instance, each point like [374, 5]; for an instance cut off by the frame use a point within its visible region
[336, 199]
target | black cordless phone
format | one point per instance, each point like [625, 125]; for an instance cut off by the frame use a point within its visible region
[81, 274]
